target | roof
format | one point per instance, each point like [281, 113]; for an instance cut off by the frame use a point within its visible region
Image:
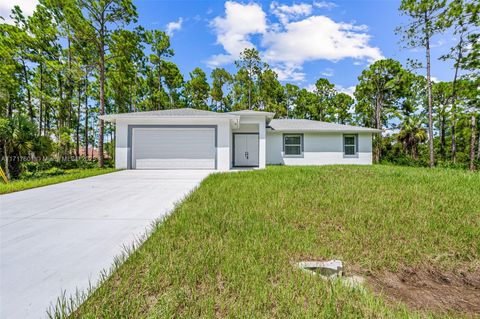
[253, 113]
[298, 125]
[172, 113]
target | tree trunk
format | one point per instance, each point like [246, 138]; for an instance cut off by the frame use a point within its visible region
[453, 148]
[442, 136]
[86, 115]
[29, 96]
[7, 162]
[429, 90]
[70, 84]
[250, 91]
[378, 126]
[102, 97]
[61, 115]
[93, 134]
[472, 142]
[40, 100]
[454, 102]
[77, 129]
[10, 108]
[160, 88]
[46, 128]
[478, 151]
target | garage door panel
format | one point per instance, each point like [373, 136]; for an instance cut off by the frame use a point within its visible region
[173, 148]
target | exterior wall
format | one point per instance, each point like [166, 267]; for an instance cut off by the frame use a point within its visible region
[319, 149]
[246, 128]
[223, 137]
[252, 124]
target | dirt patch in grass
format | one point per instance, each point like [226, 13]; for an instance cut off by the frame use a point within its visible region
[426, 288]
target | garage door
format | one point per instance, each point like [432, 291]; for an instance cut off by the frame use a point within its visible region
[173, 148]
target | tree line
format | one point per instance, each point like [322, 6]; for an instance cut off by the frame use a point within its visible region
[71, 61]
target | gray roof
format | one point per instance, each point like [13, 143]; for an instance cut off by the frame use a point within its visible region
[251, 112]
[172, 113]
[297, 125]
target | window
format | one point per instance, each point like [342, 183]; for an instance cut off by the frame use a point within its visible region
[292, 144]
[350, 145]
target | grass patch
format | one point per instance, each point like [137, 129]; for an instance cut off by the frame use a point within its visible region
[69, 175]
[228, 250]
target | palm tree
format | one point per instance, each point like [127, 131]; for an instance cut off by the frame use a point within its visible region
[411, 134]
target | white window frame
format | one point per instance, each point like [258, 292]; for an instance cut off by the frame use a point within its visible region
[300, 145]
[355, 145]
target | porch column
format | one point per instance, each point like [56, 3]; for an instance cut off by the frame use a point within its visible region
[262, 156]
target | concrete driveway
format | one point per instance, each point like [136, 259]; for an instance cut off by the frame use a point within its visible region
[60, 237]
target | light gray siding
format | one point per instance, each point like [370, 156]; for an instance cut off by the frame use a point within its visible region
[319, 149]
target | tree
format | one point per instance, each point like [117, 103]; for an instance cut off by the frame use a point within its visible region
[10, 69]
[378, 96]
[98, 19]
[306, 102]
[424, 24]
[411, 134]
[174, 82]
[441, 96]
[271, 94]
[341, 106]
[220, 78]
[470, 95]
[17, 135]
[43, 28]
[197, 90]
[159, 43]
[291, 98]
[325, 92]
[125, 59]
[463, 16]
[251, 67]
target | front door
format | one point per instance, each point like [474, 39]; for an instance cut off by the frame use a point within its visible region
[246, 150]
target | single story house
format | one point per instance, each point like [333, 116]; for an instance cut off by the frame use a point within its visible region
[195, 139]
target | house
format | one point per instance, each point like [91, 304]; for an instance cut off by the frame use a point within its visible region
[195, 139]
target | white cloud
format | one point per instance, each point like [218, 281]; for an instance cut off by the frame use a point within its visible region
[347, 90]
[234, 30]
[173, 26]
[324, 5]
[318, 37]
[289, 72]
[286, 13]
[287, 46]
[311, 87]
[6, 6]
[328, 72]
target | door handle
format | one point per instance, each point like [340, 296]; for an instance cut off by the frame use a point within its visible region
[246, 155]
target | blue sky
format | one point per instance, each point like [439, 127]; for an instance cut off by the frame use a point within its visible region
[350, 35]
[301, 40]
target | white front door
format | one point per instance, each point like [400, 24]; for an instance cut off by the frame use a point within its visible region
[246, 150]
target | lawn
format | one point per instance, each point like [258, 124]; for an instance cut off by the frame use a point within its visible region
[69, 175]
[229, 249]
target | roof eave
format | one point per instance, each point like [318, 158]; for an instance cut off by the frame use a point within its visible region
[293, 130]
[113, 119]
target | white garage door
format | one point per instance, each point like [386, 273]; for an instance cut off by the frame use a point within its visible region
[173, 148]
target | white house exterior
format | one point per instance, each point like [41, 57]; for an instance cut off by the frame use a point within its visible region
[195, 139]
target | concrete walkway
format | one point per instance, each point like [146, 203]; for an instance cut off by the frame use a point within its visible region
[59, 237]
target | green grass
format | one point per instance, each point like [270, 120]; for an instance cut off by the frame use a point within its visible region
[228, 250]
[20, 185]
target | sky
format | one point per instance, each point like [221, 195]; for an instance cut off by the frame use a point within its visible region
[301, 40]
